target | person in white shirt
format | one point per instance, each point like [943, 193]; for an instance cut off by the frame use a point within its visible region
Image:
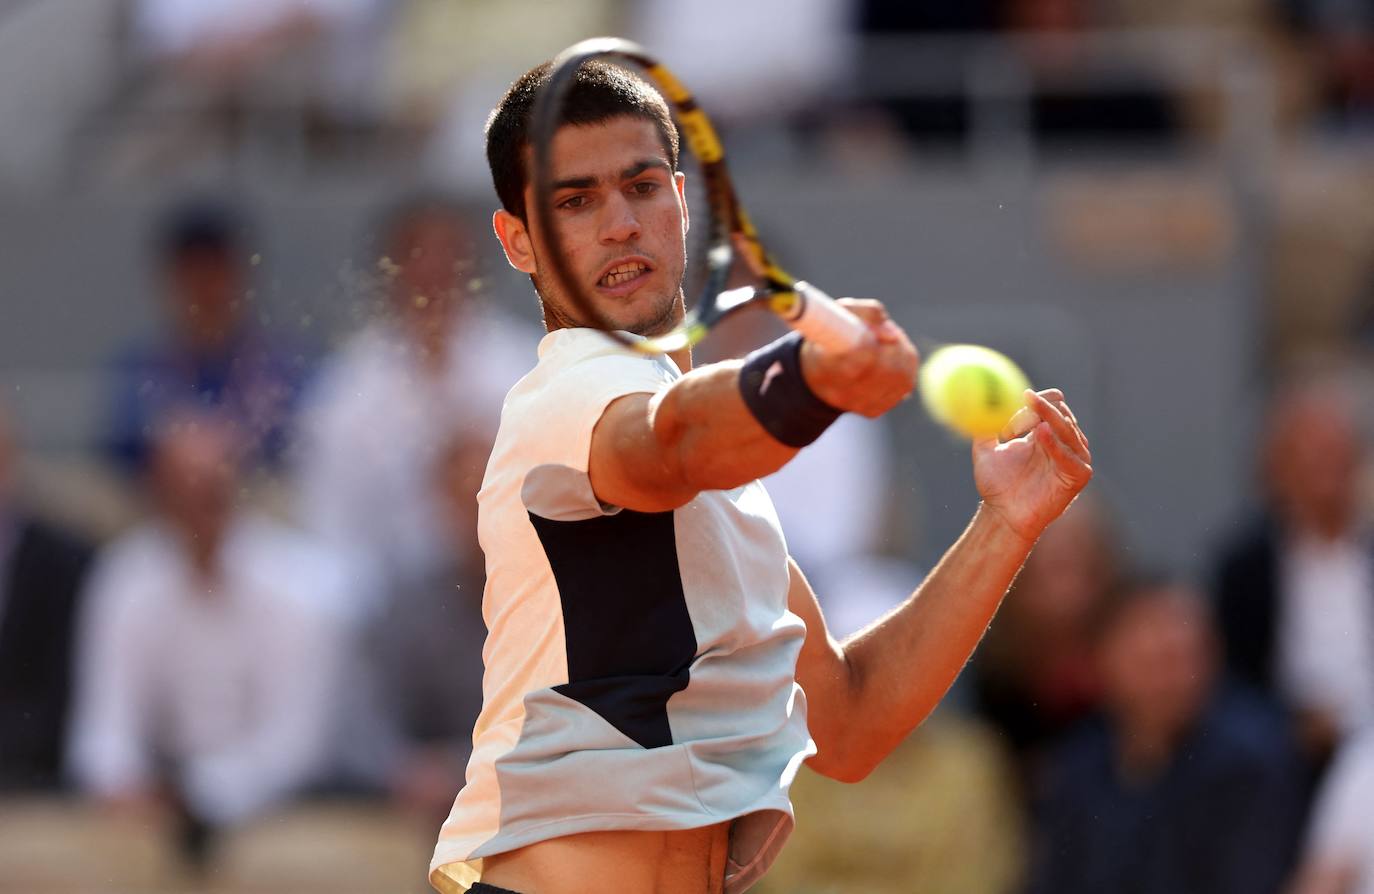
[383, 407]
[1296, 592]
[1339, 855]
[209, 653]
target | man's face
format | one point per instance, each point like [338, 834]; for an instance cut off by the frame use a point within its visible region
[1314, 462]
[622, 221]
[428, 251]
[194, 480]
[1157, 663]
[205, 288]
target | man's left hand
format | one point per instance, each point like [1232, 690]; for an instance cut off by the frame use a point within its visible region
[1033, 470]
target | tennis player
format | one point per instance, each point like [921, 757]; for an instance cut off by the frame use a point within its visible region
[657, 668]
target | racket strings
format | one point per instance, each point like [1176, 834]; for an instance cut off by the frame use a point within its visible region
[727, 220]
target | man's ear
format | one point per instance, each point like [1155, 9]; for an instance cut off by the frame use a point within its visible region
[680, 181]
[515, 240]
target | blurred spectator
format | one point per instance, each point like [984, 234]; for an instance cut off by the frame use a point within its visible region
[41, 570]
[1034, 676]
[316, 55]
[927, 114]
[1342, 36]
[938, 815]
[1048, 68]
[208, 660]
[213, 354]
[736, 76]
[1131, 106]
[1296, 589]
[1339, 852]
[232, 29]
[422, 657]
[1183, 786]
[447, 63]
[386, 402]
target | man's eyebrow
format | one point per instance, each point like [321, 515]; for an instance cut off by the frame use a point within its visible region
[643, 165]
[575, 183]
[588, 181]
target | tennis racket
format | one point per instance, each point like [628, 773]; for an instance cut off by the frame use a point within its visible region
[801, 305]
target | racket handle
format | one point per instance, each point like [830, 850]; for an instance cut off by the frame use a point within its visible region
[820, 319]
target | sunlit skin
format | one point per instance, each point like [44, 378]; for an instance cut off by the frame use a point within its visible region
[617, 201]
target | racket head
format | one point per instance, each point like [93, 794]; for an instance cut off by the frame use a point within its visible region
[728, 227]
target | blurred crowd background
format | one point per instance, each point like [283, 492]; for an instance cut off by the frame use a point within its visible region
[254, 337]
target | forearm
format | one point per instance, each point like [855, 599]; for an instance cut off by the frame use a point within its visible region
[900, 667]
[713, 440]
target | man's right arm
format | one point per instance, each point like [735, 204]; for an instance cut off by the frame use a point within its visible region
[653, 453]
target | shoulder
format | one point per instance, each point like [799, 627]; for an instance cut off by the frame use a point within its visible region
[51, 545]
[129, 573]
[580, 371]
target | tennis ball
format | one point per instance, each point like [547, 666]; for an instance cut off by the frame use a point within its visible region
[971, 389]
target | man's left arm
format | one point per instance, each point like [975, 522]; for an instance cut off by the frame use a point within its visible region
[864, 696]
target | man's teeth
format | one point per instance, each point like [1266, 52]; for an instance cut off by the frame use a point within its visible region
[623, 273]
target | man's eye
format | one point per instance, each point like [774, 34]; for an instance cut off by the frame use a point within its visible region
[645, 187]
[573, 202]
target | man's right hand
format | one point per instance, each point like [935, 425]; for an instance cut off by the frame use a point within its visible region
[870, 378]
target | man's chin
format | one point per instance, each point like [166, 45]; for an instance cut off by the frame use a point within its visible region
[661, 324]
[648, 321]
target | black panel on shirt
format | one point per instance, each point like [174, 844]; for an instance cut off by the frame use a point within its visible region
[628, 633]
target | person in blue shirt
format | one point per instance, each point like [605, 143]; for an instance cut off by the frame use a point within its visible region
[212, 354]
[1184, 785]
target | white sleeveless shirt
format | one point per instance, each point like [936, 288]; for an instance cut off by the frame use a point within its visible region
[640, 667]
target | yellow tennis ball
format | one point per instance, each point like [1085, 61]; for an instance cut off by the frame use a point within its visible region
[971, 389]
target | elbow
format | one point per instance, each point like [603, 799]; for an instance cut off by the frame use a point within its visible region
[842, 762]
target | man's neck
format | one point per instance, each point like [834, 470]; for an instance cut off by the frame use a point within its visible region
[682, 358]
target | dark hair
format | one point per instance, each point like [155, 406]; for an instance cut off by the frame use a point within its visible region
[200, 225]
[599, 92]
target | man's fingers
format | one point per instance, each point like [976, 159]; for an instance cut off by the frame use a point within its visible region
[1067, 460]
[1060, 425]
[1079, 438]
[1021, 422]
[1056, 397]
[870, 311]
[875, 316]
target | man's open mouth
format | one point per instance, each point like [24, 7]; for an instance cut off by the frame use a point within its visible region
[623, 273]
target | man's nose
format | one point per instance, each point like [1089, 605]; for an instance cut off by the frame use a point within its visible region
[618, 221]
